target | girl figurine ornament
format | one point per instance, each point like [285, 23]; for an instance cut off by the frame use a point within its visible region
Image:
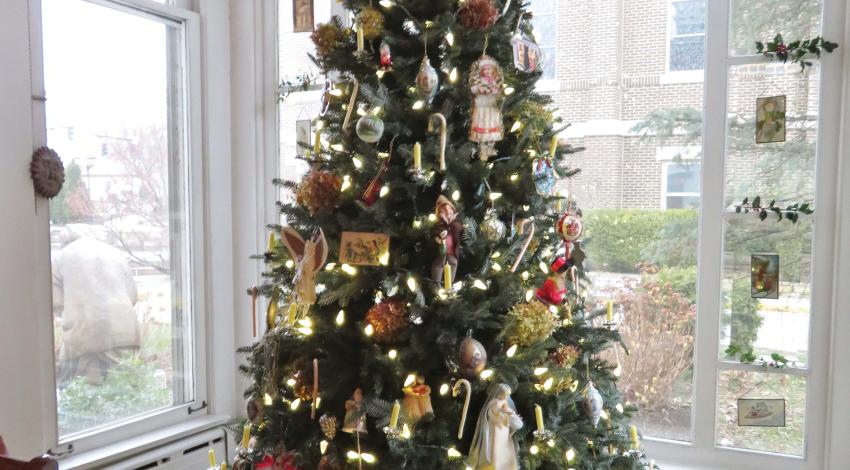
[485, 83]
[493, 446]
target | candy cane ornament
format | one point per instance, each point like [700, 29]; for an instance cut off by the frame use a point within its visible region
[455, 391]
[522, 228]
[315, 403]
[351, 103]
[439, 117]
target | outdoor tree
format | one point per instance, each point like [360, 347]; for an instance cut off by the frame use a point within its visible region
[72, 204]
[426, 295]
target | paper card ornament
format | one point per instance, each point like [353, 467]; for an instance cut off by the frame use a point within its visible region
[527, 54]
[362, 248]
[761, 412]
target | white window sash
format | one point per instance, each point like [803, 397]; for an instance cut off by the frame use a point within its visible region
[193, 236]
[703, 452]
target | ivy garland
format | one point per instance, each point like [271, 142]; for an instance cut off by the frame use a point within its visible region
[791, 212]
[798, 51]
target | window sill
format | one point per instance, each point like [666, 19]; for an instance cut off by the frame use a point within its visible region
[141, 443]
[688, 76]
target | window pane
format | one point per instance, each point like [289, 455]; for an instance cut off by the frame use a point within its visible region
[760, 311]
[297, 110]
[635, 126]
[733, 385]
[687, 53]
[682, 202]
[119, 258]
[762, 20]
[683, 178]
[779, 169]
[542, 7]
[689, 17]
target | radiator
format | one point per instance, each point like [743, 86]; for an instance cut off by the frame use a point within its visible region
[190, 453]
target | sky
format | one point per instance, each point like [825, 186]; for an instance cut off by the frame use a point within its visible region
[105, 70]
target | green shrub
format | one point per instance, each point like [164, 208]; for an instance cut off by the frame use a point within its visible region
[682, 280]
[620, 240]
[130, 388]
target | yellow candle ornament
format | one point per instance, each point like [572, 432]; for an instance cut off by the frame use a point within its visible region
[538, 414]
[360, 38]
[317, 143]
[417, 156]
[447, 277]
[394, 415]
[211, 455]
[633, 433]
[553, 145]
[610, 315]
[246, 435]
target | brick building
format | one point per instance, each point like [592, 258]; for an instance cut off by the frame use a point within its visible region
[609, 65]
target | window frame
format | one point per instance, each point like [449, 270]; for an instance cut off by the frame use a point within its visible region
[549, 83]
[665, 190]
[703, 450]
[193, 236]
[695, 75]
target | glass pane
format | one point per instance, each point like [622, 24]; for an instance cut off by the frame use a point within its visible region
[683, 178]
[546, 35]
[118, 227]
[783, 169]
[760, 418]
[687, 53]
[689, 17]
[762, 311]
[298, 108]
[634, 126]
[762, 20]
[542, 7]
[682, 202]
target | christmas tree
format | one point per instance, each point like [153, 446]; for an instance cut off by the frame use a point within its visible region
[426, 293]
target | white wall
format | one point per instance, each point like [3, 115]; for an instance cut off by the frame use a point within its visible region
[25, 349]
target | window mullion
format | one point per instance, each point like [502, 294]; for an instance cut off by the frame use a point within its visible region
[711, 232]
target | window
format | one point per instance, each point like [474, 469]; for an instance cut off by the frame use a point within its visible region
[298, 108]
[123, 266]
[546, 33]
[681, 185]
[687, 35]
[639, 191]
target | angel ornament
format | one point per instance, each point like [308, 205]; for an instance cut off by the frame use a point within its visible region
[310, 256]
[493, 446]
[485, 83]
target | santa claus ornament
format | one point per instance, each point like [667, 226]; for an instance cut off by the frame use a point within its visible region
[427, 80]
[485, 84]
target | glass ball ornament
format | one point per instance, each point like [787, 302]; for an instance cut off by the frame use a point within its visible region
[427, 80]
[472, 357]
[370, 128]
[570, 227]
[492, 228]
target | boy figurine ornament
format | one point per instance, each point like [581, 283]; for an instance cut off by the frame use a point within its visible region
[448, 234]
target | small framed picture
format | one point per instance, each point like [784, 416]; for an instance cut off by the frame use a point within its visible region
[527, 54]
[302, 16]
[363, 248]
[303, 132]
[761, 412]
[770, 119]
[764, 276]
